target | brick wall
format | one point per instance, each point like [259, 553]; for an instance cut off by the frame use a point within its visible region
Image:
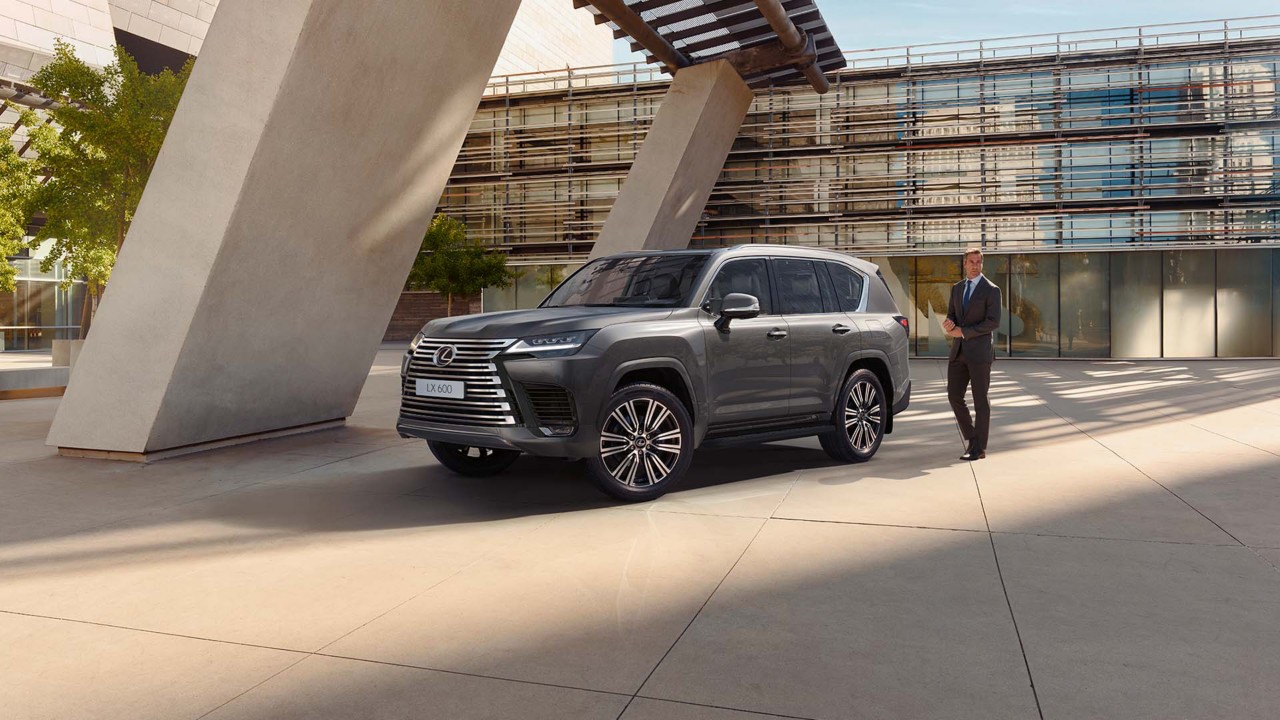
[416, 308]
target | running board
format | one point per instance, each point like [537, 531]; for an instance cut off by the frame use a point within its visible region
[766, 436]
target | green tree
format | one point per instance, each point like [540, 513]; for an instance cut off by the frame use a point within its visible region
[452, 264]
[97, 154]
[17, 182]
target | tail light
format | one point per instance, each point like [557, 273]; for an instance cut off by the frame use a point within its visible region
[905, 323]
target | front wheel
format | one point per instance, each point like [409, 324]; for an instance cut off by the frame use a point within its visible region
[860, 419]
[646, 443]
[472, 461]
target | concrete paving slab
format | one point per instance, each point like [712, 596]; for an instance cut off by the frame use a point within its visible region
[284, 567]
[829, 620]
[1082, 489]
[52, 669]
[746, 481]
[914, 480]
[646, 709]
[1236, 486]
[536, 575]
[339, 688]
[590, 600]
[1145, 630]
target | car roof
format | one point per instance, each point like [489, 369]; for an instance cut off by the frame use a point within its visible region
[765, 249]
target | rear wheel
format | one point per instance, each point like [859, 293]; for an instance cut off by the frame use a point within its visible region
[472, 461]
[860, 419]
[646, 443]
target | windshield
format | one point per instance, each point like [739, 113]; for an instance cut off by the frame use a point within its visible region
[640, 281]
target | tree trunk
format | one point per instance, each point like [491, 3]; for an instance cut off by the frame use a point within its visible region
[87, 309]
[448, 299]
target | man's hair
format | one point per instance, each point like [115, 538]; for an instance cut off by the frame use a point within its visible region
[972, 251]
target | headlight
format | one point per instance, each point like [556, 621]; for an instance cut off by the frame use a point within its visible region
[413, 345]
[558, 345]
[416, 341]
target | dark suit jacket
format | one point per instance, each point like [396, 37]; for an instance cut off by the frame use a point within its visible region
[979, 323]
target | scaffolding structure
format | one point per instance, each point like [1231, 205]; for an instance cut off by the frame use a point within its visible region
[1161, 136]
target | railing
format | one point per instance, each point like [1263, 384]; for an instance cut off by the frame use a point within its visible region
[990, 49]
[1055, 44]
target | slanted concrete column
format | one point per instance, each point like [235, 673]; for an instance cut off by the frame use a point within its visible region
[663, 196]
[285, 209]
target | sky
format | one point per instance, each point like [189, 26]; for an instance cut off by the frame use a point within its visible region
[861, 24]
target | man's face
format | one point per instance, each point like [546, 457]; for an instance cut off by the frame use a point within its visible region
[972, 266]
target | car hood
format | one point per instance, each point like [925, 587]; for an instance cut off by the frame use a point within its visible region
[539, 321]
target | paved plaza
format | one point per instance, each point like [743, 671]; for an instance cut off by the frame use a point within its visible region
[1115, 556]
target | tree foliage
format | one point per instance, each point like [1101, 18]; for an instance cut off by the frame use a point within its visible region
[452, 264]
[17, 182]
[97, 154]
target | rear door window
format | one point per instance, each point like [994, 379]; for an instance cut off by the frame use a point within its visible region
[798, 290]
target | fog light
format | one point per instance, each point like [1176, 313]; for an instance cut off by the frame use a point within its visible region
[557, 430]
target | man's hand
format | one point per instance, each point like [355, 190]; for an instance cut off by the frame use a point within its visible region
[951, 330]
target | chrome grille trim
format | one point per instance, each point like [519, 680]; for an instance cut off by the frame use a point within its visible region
[486, 402]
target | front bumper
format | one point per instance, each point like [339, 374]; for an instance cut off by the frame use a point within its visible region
[576, 374]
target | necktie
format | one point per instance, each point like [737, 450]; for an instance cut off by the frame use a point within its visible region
[968, 290]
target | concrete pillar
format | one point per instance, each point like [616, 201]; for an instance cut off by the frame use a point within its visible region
[286, 207]
[663, 196]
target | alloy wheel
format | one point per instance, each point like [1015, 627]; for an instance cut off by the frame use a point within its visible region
[862, 416]
[640, 443]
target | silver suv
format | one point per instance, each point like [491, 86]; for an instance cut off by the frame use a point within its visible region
[639, 358]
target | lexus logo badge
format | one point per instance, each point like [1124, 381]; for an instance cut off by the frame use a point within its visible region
[444, 355]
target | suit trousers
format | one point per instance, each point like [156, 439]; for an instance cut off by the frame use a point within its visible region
[961, 374]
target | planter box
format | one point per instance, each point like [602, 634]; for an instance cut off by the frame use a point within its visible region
[65, 352]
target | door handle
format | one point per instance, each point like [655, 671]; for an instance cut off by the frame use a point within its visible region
[841, 329]
[776, 334]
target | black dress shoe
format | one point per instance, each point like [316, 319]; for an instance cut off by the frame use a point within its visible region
[973, 453]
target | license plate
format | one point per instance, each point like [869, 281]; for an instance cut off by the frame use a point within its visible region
[440, 388]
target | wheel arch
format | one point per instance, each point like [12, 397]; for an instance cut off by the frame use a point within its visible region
[877, 363]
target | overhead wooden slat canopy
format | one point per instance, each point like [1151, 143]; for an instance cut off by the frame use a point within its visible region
[770, 42]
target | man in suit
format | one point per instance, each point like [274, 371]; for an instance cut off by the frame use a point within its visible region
[973, 315]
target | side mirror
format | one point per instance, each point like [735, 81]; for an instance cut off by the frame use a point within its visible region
[737, 306]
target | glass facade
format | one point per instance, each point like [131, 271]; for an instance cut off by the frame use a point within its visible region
[40, 310]
[1143, 304]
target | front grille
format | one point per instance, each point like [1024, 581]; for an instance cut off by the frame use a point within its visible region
[485, 402]
[552, 405]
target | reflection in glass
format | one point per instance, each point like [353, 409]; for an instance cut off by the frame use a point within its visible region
[996, 270]
[1086, 305]
[1188, 303]
[529, 291]
[500, 299]
[1033, 305]
[1244, 303]
[934, 277]
[1275, 303]
[1135, 299]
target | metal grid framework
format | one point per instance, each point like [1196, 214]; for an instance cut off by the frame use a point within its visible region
[702, 30]
[1135, 137]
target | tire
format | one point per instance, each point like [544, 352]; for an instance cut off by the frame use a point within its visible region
[860, 419]
[472, 461]
[646, 443]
